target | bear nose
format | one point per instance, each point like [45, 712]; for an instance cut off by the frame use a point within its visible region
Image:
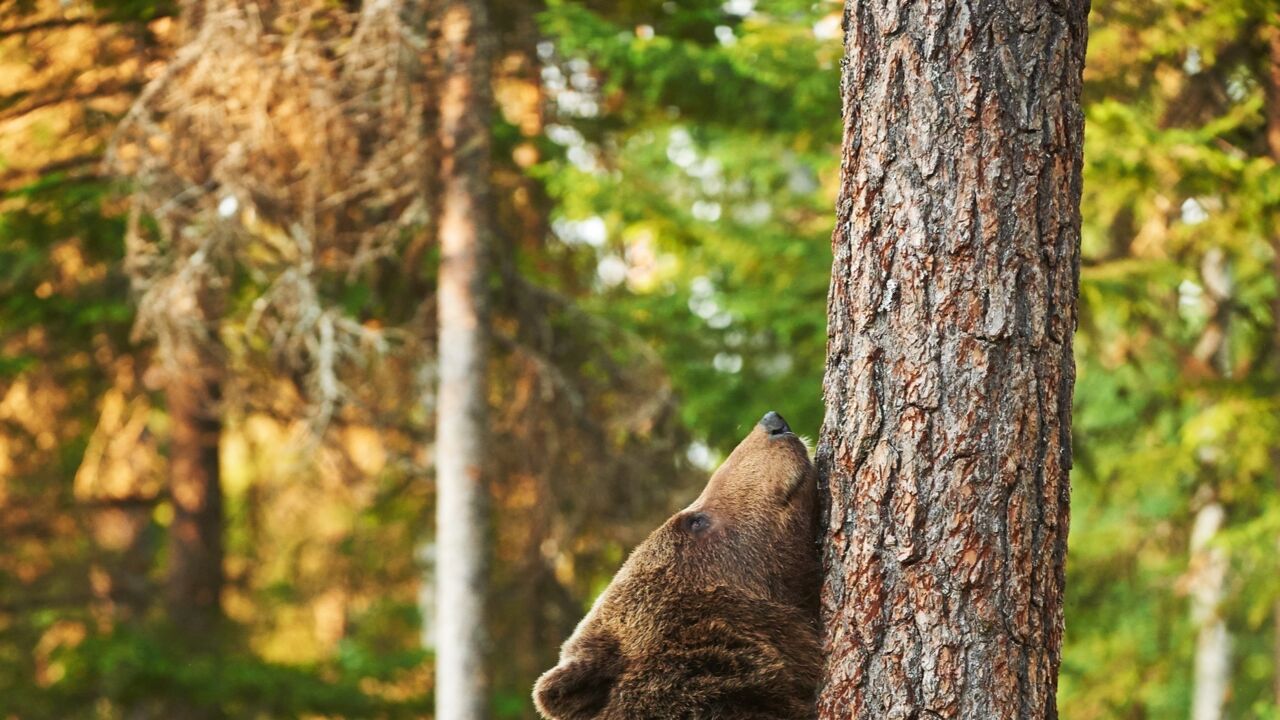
[774, 423]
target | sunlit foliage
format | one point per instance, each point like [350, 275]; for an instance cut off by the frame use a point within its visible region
[664, 174]
[702, 170]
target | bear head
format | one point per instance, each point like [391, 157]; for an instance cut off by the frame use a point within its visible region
[714, 615]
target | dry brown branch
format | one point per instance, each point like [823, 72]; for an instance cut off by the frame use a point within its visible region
[18, 104]
[16, 178]
[284, 143]
[36, 26]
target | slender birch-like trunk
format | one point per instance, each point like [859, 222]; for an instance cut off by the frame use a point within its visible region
[1207, 571]
[461, 521]
[1213, 643]
[947, 444]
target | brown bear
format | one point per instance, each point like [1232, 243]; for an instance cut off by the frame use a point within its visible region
[715, 615]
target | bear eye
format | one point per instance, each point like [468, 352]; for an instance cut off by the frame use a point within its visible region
[696, 523]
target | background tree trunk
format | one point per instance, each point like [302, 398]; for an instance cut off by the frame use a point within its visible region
[946, 447]
[461, 520]
[1213, 643]
[1207, 561]
[194, 578]
[195, 574]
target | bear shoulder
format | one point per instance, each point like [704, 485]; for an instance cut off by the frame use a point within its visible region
[725, 656]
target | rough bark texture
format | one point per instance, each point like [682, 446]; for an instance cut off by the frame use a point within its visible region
[946, 447]
[461, 529]
[195, 575]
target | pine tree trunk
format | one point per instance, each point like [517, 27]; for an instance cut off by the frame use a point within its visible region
[947, 446]
[195, 574]
[461, 528]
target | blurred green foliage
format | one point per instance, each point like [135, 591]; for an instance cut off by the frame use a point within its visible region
[709, 165]
[1177, 170]
[148, 672]
[717, 142]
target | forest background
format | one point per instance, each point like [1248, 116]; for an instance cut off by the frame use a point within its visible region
[661, 192]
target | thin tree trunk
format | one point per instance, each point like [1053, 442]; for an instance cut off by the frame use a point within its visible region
[1213, 643]
[195, 575]
[1208, 562]
[947, 446]
[194, 579]
[461, 528]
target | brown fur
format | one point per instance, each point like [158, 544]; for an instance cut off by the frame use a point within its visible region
[714, 616]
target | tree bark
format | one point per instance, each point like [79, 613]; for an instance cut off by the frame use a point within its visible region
[1207, 571]
[461, 528]
[195, 575]
[1208, 590]
[946, 448]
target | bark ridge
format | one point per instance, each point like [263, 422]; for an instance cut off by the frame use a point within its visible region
[946, 448]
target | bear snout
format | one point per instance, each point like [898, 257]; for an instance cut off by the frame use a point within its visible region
[775, 424]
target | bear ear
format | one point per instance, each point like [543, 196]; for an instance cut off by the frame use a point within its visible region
[578, 689]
